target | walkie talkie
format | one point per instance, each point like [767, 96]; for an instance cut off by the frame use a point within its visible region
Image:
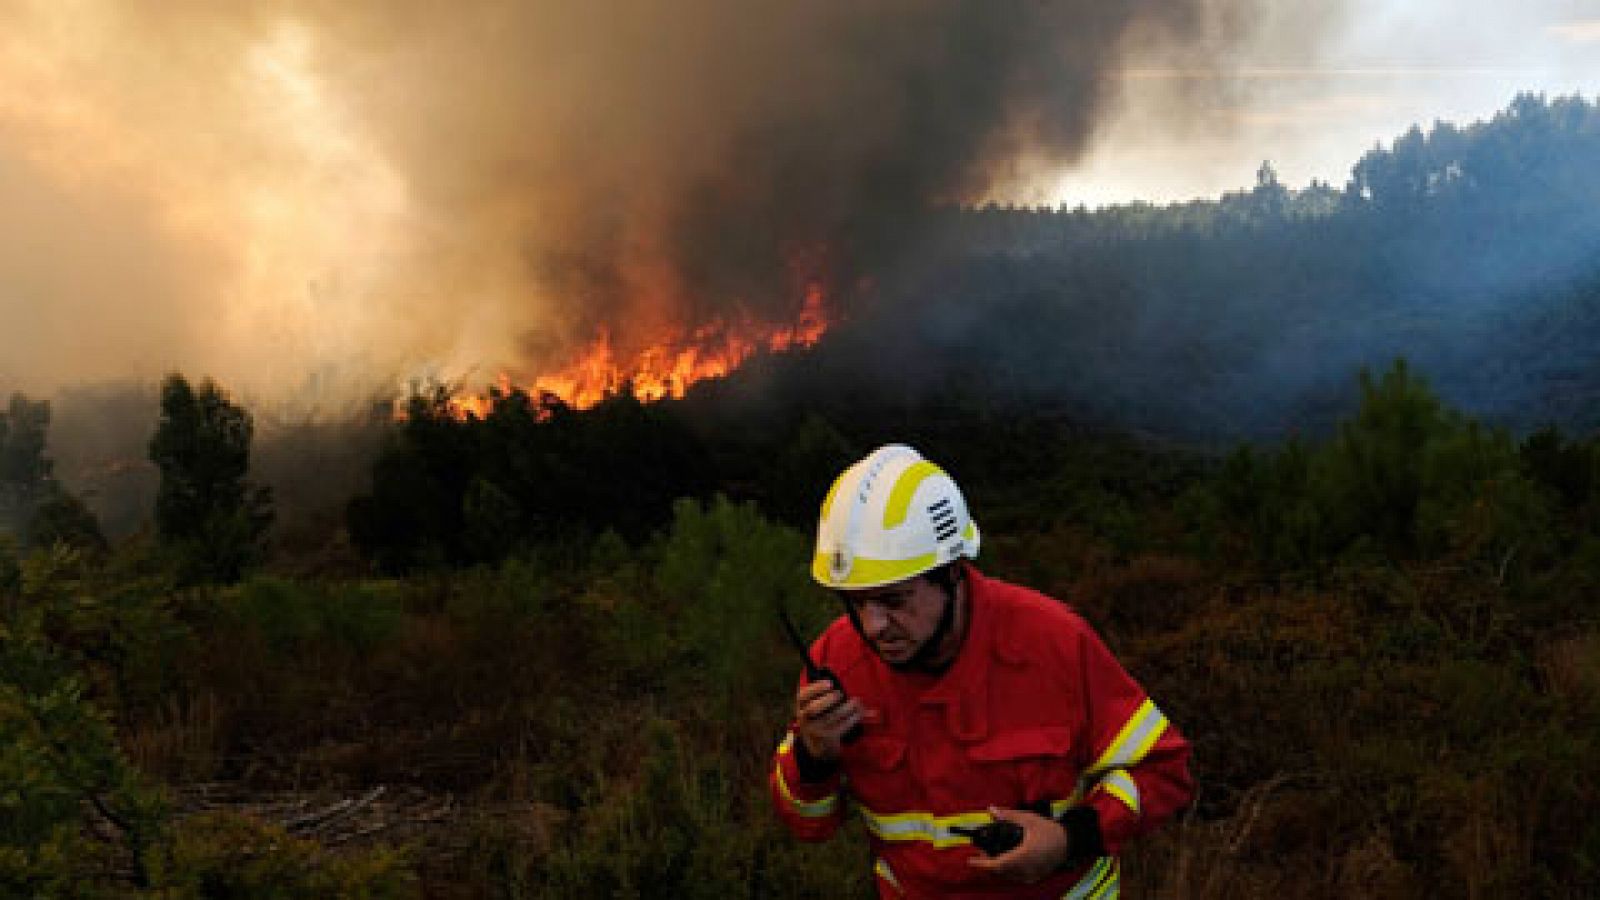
[815, 672]
[993, 839]
[1000, 836]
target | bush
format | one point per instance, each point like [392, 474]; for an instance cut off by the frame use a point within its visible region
[220, 855]
[722, 571]
[61, 518]
[1404, 478]
[688, 825]
[291, 615]
[455, 489]
[61, 767]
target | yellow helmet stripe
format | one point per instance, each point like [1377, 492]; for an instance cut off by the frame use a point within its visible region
[866, 573]
[904, 486]
[827, 502]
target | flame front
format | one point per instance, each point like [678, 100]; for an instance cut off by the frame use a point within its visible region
[667, 366]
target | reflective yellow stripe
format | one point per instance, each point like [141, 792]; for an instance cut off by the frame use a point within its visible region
[921, 826]
[1102, 882]
[883, 871]
[1137, 736]
[827, 502]
[811, 810]
[904, 486]
[873, 572]
[1120, 785]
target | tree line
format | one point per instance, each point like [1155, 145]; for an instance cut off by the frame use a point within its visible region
[1469, 250]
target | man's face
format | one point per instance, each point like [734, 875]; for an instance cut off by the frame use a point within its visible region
[897, 619]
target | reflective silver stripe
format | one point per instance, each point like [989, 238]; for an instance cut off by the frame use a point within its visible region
[921, 826]
[815, 809]
[1120, 785]
[1102, 881]
[1141, 731]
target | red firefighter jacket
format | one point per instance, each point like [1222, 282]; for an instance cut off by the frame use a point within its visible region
[1034, 711]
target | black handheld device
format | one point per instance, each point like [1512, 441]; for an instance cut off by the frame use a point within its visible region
[993, 839]
[815, 672]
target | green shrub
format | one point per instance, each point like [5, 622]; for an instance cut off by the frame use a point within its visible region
[62, 518]
[1404, 478]
[722, 571]
[223, 855]
[361, 615]
[59, 760]
[689, 825]
[10, 569]
[283, 612]
[291, 615]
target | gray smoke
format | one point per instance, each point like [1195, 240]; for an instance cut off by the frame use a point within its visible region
[273, 192]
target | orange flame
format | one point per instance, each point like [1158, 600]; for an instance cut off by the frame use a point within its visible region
[668, 366]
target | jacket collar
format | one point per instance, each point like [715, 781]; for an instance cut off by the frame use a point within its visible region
[963, 689]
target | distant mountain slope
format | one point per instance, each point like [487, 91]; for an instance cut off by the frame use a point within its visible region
[1472, 251]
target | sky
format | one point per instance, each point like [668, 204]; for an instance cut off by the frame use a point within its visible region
[1312, 108]
[314, 199]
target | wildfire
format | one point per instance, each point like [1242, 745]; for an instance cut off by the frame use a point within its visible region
[669, 365]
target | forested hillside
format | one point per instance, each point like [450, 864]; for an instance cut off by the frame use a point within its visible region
[1469, 250]
[533, 651]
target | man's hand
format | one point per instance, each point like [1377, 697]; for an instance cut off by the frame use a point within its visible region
[822, 716]
[1043, 849]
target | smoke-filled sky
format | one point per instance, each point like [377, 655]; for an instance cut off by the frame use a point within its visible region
[305, 198]
[1316, 83]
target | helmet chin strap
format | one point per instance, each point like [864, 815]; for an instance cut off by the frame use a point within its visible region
[921, 661]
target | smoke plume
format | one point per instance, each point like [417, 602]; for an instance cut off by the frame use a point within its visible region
[309, 197]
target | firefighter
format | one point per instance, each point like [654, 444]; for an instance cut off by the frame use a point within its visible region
[966, 701]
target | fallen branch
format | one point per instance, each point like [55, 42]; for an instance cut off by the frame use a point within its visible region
[317, 821]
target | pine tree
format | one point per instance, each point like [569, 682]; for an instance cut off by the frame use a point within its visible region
[206, 512]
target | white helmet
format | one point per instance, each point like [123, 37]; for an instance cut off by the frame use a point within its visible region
[889, 517]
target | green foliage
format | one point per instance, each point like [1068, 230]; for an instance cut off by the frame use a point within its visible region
[33, 505]
[813, 455]
[24, 468]
[455, 489]
[120, 629]
[223, 855]
[61, 518]
[664, 832]
[1568, 469]
[721, 572]
[206, 511]
[10, 570]
[291, 616]
[1404, 478]
[1371, 477]
[58, 760]
[1388, 667]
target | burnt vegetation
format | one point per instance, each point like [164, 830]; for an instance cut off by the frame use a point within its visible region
[534, 652]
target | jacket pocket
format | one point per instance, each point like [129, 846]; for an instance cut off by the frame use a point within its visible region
[1049, 741]
[879, 774]
[877, 753]
[1028, 766]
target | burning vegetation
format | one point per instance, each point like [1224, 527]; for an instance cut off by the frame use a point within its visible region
[666, 366]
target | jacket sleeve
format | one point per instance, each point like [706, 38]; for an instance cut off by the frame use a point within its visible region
[811, 810]
[1139, 775]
